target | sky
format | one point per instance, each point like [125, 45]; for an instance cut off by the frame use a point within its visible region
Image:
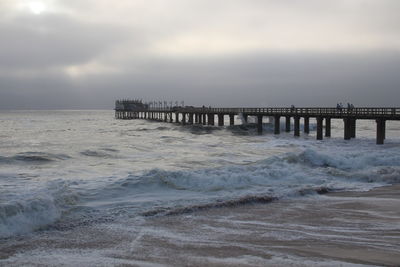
[84, 54]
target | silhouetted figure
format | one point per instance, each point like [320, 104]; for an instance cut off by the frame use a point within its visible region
[339, 107]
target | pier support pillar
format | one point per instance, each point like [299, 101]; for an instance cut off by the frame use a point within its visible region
[190, 118]
[380, 131]
[200, 118]
[347, 128]
[353, 128]
[296, 126]
[245, 118]
[220, 119]
[210, 119]
[183, 118]
[277, 124]
[231, 119]
[287, 128]
[328, 127]
[319, 127]
[204, 119]
[259, 124]
[384, 129]
[196, 118]
[177, 117]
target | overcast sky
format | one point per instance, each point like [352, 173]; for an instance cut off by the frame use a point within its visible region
[86, 53]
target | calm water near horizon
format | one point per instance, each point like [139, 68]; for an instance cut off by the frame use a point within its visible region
[64, 169]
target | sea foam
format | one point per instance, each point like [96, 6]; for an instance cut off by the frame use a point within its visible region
[33, 210]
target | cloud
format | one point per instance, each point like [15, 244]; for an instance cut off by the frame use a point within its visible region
[53, 40]
[246, 80]
[214, 52]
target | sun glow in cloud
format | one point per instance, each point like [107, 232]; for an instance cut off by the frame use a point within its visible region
[37, 7]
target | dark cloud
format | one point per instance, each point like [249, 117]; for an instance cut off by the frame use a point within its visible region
[251, 80]
[86, 53]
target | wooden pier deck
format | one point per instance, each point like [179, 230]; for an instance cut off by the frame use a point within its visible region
[206, 116]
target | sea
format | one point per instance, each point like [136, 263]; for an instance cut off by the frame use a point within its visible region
[62, 170]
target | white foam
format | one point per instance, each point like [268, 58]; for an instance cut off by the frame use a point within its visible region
[35, 209]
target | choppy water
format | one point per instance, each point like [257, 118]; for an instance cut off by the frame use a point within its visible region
[62, 169]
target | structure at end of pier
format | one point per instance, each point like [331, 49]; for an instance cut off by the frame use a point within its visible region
[136, 109]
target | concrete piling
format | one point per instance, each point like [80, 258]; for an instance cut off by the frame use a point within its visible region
[231, 119]
[327, 127]
[353, 128]
[347, 128]
[277, 124]
[287, 124]
[296, 126]
[259, 124]
[220, 119]
[319, 127]
[380, 131]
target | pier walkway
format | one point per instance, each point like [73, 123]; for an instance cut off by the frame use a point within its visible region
[126, 109]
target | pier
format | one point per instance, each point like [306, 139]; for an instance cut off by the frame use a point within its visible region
[134, 109]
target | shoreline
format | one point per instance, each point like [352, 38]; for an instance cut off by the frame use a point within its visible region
[330, 229]
[337, 228]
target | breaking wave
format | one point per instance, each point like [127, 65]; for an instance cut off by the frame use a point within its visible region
[35, 210]
[277, 173]
[166, 192]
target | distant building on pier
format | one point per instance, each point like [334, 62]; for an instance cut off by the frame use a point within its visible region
[130, 105]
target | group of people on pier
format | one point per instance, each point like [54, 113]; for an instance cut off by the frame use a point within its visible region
[339, 106]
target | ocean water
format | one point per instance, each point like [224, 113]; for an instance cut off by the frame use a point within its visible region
[64, 169]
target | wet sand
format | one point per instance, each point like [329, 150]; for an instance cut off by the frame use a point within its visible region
[336, 229]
